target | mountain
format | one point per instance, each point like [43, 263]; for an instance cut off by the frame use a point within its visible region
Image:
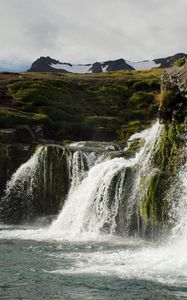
[169, 61]
[48, 64]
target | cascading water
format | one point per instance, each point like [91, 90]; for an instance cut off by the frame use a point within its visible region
[94, 205]
[79, 161]
[81, 252]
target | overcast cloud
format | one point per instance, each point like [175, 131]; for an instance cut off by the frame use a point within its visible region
[90, 30]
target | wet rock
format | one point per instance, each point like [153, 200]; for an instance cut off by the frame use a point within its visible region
[7, 135]
[39, 132]
[24, 134]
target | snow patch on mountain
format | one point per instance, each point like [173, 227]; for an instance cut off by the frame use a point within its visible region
[143, 65]
[104, 69]
[80, 69]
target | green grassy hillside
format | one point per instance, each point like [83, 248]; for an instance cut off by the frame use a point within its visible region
[106, 106]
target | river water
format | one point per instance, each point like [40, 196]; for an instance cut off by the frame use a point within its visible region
[34, 266]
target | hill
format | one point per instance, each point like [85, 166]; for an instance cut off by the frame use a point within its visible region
[106, 106]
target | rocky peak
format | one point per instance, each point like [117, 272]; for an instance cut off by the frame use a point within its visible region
[43, 64]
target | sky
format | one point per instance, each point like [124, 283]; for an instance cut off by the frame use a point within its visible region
[83, 31]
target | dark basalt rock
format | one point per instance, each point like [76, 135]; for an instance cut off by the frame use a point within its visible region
[96, 68]
[24, 134]
[39, 132]
[118, 65]
[42, 64]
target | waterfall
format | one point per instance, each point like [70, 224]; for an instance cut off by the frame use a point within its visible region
[95, 204]
[24, 180]
[39, 186]
[81, 157]
[105, 186]
[24, 184]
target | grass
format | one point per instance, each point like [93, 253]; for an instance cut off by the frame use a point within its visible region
[73, 104]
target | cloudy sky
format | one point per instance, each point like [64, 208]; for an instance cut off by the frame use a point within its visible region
[91, 30]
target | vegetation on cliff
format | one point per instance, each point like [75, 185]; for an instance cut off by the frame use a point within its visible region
[92, 107]
[167, 160]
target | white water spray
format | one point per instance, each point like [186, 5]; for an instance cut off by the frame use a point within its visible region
[90, 208]
[78, 163]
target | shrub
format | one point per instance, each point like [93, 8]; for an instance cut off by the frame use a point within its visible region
[97, 121]
[166, 100]
[180, 62]
[142, 99]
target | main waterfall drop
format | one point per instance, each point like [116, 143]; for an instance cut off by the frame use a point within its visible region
[107, 199]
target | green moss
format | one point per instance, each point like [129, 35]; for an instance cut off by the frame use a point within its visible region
[146, 85]
[142, 99]
[169, 154]
[96, 121]
[4, 155]
[148, 207]
[11, 117]
[73, 104]
[133, 148]
[154, 207]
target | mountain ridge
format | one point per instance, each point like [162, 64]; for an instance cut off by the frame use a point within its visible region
[48, 64]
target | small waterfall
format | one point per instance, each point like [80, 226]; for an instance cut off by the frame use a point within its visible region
[23, 184]
[81, 157]
[24, 180]
[105, 201]
[78, 163]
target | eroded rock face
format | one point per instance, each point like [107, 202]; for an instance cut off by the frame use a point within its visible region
[20, 134]
[173, 95]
